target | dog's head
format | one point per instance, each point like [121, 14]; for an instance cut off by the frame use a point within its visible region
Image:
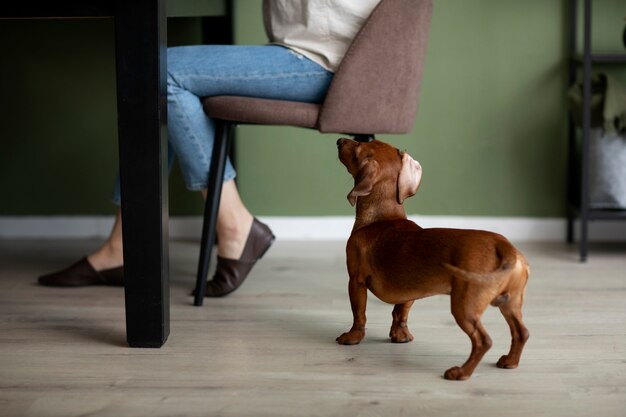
[375, 164]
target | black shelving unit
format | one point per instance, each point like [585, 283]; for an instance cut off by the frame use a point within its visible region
[578, 168]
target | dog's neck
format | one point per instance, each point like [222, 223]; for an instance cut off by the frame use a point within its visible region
[376, 207]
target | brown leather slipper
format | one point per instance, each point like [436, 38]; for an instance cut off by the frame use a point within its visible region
[82, 274]
[230, 273]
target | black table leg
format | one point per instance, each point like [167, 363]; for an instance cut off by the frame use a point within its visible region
[140, 31]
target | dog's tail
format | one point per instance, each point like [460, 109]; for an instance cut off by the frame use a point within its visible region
[487, 277]
[508, 257]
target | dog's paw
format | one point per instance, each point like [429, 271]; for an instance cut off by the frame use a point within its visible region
[456, 373]
[506, 362]
[353, 337]
[399, 333]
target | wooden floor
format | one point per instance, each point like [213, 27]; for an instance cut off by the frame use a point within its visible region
[269, 349]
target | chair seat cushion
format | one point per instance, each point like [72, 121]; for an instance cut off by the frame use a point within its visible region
[262, 111]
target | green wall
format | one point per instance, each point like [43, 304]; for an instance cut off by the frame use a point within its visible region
[490, 131]
[58, 121]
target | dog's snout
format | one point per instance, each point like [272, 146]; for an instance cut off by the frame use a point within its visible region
[343, 141]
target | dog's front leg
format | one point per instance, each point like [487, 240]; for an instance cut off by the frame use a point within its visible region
[358, 300]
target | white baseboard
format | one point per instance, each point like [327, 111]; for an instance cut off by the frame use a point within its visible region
[53, 227]
[518, 229]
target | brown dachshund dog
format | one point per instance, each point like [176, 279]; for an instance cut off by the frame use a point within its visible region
[399, 262]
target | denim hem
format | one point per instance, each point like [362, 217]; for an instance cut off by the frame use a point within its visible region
[191, 187]
[199, 186]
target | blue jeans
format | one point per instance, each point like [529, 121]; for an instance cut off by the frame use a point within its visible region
[195, 72]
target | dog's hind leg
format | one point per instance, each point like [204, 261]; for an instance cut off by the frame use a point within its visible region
[511, 309]
[399, 332]
[467, 316]
[512, 312]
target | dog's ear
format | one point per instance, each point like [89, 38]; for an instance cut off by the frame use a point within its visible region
[364, 180]
[409, 177]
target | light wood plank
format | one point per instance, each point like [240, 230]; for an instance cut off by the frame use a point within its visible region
[269, 349]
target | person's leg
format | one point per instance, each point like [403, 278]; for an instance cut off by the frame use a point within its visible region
[234, 222]
[256, 71]
[110, 254]
[233, 230]
[200, 71]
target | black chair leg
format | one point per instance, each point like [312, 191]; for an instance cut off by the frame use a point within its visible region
[214, 190]
[363, 138]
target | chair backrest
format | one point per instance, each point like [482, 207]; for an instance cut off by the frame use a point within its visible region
[376, 87]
